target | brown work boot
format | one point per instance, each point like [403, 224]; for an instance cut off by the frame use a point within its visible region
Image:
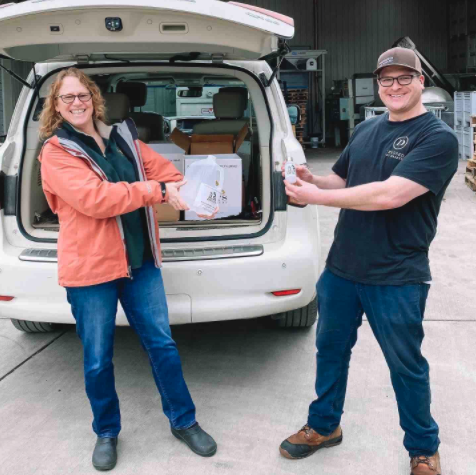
[307, 441]
[423, 465]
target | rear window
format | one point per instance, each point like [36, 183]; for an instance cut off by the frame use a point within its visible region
[170, 100]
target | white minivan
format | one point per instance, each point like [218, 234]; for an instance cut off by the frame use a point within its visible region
[263, 261]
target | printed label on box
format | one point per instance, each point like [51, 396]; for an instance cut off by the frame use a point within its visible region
[206, 199]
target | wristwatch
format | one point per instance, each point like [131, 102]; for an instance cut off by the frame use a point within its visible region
[163, 188]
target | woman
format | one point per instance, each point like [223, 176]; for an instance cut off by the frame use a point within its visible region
[102, 182]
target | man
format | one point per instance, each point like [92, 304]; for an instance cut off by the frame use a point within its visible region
[389, 182]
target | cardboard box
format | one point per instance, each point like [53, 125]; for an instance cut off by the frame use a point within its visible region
[165, 147]
[165, 213]
[171, 152]
[198, 144]
[177, 159]
[231, 197]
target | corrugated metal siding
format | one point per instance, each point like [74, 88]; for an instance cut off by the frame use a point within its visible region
[355, 33]
[10, 90]
[1, 105]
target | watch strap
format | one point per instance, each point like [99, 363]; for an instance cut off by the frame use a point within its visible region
[163, 188]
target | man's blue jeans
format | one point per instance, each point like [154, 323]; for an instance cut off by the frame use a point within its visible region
[395, 314]
[143, 298]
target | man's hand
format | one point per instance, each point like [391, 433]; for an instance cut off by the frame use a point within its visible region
[302, 172]
[175, 200]
[302, 192]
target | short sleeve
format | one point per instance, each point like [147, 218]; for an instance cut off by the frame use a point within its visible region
[432, 163]
[341, 167]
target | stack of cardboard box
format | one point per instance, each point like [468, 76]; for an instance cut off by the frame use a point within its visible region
[187, 149]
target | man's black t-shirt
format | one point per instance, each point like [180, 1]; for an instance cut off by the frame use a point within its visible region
[390, 247]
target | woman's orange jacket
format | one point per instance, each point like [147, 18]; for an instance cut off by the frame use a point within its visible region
[91, 246]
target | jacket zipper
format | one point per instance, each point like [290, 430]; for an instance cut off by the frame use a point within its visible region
[129, 267]
[153, 242]
[118, 218]
[123, 238]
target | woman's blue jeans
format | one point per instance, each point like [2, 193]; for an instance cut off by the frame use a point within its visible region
[143, 299]
[395, 314]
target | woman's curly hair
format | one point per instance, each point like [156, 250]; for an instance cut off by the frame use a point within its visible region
[50, 120]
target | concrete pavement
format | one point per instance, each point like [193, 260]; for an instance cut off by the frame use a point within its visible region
[251, 384]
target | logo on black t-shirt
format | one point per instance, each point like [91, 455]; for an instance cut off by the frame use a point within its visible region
[400, 143]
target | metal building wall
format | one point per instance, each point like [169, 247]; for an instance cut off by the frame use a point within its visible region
[10, 90]
[1, 105]
[355, 32]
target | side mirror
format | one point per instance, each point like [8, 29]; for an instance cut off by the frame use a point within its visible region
[294, 114]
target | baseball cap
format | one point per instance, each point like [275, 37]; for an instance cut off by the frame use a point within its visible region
[399, 57]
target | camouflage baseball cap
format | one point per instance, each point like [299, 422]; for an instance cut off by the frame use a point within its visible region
[399, 57]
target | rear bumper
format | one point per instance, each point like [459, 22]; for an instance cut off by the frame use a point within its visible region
[197, 291]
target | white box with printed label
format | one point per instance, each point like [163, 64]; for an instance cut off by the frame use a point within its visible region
[177, 159]
[171, 152]
[230, 199]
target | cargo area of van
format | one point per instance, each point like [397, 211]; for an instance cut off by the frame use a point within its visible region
[184, 115]
[197, 79]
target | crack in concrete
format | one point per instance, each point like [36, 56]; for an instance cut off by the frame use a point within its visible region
[31, 356]
[13, 341]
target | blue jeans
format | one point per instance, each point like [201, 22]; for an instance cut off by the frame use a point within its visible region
[143, 299]
[395, 314]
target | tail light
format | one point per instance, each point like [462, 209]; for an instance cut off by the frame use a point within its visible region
[282, 293]
[5, 298]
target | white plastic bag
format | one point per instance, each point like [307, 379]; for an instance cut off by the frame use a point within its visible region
[204, 184]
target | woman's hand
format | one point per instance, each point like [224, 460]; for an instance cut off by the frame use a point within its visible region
[174, 198]
[211, 216]
[303, 173]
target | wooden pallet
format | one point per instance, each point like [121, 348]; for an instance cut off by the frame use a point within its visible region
[297, 92]
[471, 167]
[470, 181]
[473, 121]
[297, 99]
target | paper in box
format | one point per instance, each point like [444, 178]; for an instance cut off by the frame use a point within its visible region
[230, 200]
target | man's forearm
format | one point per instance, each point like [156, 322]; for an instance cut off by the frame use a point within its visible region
[376, 196]
[329, 182]
[370, 197]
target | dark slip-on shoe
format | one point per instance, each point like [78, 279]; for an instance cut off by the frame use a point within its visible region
[197, 439]
[105, 453]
